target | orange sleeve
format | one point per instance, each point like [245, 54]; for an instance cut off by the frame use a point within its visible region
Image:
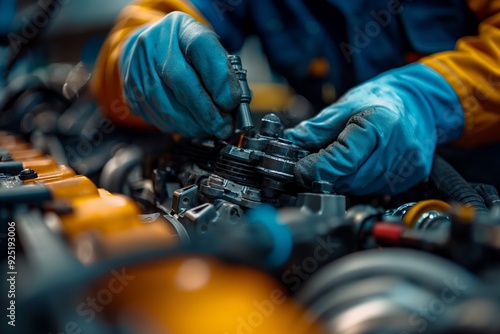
[106, 83]
[473, 70]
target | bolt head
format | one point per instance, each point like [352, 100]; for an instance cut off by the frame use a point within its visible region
[27, 174]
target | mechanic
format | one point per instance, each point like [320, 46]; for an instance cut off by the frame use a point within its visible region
[427, 73]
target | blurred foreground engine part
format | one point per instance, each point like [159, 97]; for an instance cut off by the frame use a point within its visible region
[401, 291]
[91, 219]
[197, 294]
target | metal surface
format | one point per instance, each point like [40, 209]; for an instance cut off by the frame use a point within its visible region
[238, 164]
[216, 187]
[277, 165]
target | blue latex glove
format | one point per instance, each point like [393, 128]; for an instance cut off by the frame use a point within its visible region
[177, 77]
[380, 137]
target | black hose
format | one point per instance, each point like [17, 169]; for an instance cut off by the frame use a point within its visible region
[488, 193]
[451, 186]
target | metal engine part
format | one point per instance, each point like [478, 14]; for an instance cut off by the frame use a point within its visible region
[243, 116]
[276, 166]
[262, 162]
[259, 169]
[386, 291]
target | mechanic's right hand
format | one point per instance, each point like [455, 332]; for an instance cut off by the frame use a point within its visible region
[176, 76]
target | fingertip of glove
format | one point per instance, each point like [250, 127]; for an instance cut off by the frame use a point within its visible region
[304, 170]
[288, 134]
[292, 135]
[225, 131]
[300, 136]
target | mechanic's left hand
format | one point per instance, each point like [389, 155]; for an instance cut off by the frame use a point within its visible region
[380, 137]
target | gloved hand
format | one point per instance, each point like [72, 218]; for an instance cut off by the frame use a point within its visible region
[176, 76]
[380, 137]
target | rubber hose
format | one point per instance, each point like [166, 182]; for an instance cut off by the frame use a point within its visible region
[488, 193]
[451, 186]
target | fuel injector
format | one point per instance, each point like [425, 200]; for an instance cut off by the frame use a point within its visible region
[243, 115]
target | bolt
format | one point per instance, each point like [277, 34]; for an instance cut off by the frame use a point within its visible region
[271, 126]
[6, 157]
[322, 187]
[27, 174]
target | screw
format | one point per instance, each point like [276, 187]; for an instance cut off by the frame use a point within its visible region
[27, 174]
[4, 155]
[322, 187]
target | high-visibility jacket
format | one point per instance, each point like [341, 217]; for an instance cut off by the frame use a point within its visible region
[325, 47]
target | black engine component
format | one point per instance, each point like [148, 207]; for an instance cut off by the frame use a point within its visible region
[243, 115]
[257, 170]
[387, 291]
[451, 187]
[277, 165]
